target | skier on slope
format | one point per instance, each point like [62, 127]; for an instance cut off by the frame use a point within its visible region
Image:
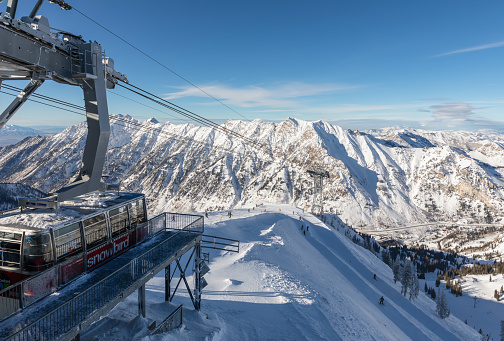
[382, 301]
[374, 276]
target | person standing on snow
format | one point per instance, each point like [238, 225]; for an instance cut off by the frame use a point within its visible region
[382, 300]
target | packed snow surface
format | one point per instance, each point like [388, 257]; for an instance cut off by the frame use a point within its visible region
[286, 285]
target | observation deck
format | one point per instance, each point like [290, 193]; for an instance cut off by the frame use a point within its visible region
[63, 314]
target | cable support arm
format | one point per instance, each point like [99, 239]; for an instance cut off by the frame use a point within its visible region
[62, 4]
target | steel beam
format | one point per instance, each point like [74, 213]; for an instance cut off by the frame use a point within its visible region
[141, 300]
[36, 8]
[12, 7]
[167, 283]
[95, 150]
[26, 53]
[197, 276]
[19, 100]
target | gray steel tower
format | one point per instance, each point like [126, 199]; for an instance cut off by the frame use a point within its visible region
[318, 176]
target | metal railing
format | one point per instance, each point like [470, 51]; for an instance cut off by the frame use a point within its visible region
[171, 322]
[219, 243]
[61, 320]
[32, 289]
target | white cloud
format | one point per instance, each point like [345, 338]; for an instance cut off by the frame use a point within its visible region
[285, 95]
[358, 108]
[474, 48]
[456, 112]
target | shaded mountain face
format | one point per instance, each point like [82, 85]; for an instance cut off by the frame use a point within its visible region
[9, 193]
[382, 178]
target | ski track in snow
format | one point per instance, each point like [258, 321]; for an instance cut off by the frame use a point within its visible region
[284, 285]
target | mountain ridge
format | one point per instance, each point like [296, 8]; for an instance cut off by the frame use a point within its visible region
[380, 178]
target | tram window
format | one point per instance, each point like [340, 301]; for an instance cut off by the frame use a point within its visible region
[37, 252]
[10, 253]
[137, 212]
[119, 222]
[10, 236]
[95, 229]
[68, 240]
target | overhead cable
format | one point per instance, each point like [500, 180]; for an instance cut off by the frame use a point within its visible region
[160, 64]
[187, 113]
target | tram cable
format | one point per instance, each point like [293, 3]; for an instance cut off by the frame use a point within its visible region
[126, 122]
[148, 106]
[188, 113]
[160, 64]
[156, 99]
[121, 121]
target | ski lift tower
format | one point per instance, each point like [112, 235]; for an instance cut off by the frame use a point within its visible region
[318, 176]
[29, 50]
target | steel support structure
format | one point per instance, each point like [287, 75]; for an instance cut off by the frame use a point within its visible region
[167, 283]
[30, 51]
[141, 301]
[318, 185]
[195, 294]
[197, 276]
[95, 150]
[19, 100]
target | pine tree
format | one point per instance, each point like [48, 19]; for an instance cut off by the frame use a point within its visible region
[385, 257]
[415, 285]
[395, 268]
[442, 305]
[496, 295]
[405, 277]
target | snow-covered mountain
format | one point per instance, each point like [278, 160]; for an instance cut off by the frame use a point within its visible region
[377, 179]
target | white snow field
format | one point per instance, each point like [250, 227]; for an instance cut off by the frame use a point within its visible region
[284, 285]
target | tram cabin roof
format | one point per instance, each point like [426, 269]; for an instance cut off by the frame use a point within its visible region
[38, 220]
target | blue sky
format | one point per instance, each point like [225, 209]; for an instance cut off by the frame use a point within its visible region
[359, 64]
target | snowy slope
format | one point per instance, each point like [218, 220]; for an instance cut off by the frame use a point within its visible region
[284, 285]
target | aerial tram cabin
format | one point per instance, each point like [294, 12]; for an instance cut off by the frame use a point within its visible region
[79, 236]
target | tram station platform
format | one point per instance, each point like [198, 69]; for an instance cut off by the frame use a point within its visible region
[66, 312]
